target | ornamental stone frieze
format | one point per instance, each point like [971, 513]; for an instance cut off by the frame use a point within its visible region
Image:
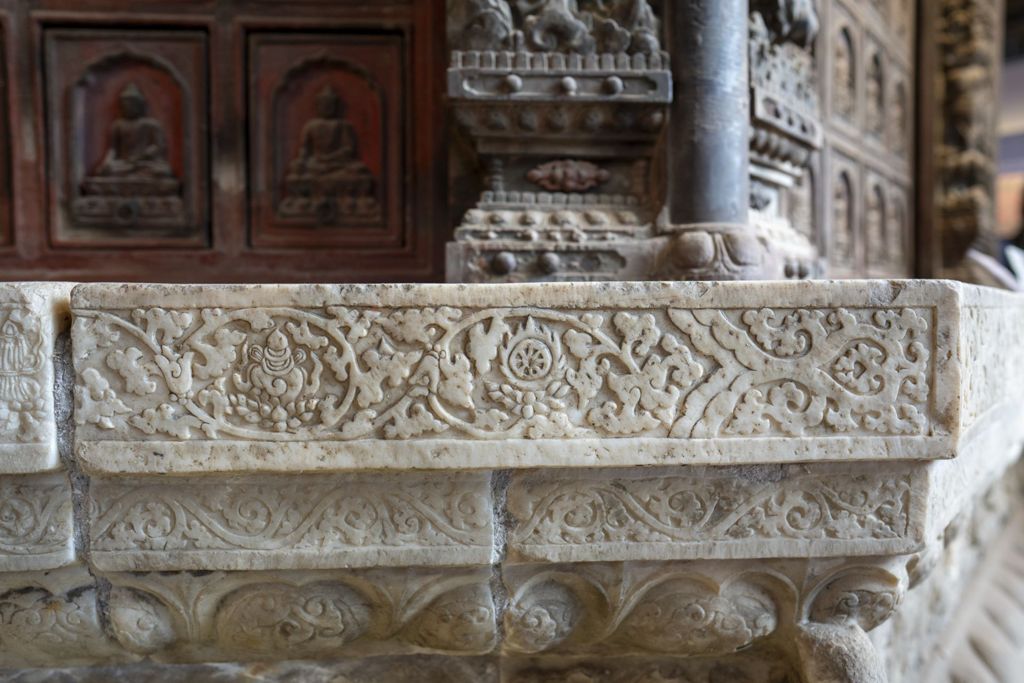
[626, 482]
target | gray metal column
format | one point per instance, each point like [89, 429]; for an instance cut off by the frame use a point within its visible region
[708, 175]
[708, 131]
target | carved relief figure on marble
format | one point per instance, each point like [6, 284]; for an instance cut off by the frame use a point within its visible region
[22, 355]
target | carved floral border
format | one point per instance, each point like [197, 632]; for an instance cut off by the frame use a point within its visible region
[341, 373]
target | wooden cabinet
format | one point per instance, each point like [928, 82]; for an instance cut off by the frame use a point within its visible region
[222, 140]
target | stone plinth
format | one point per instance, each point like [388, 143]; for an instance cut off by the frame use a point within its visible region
[586, 482]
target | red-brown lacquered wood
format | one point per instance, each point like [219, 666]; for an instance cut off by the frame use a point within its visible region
[229, 89]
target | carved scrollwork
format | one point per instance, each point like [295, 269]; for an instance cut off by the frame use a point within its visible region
[864, 595]
[542, 616]
[35, 520]
[459, 620]
[697, 617]
[48, 614]
[139, 621]
[589, 512]
[676, 612]
[200, 523]
[344, 373]
[309, 614]
[279, 618]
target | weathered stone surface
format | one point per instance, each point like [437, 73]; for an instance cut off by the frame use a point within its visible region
[36, 527]
[759, 665]
[717, 512]
[410, 669]
[689, 608]
[31, 316]
[985, 636]
[187, 379]
[52, 618]
[582, 482]
[238, 616]
[918, 641]
[287, 522]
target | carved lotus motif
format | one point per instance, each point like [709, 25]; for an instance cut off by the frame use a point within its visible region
[353, 373]
[277, 390]
[532, 357]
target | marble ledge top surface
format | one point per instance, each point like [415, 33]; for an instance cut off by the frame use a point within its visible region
[225, 378]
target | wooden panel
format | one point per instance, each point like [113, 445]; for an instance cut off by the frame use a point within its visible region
[327, 139]
[867, 48]
[126, 125]
[5, 147]
[199, 195]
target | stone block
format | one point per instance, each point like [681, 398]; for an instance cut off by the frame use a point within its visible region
[291, 521]
[52, 618]
[716, 512]
[242, 616]
[36, 525]
[687, 608]
[295, 378]
[31, 316]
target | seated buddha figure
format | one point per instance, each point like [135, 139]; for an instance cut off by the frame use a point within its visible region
[327, 150]
[138, 146]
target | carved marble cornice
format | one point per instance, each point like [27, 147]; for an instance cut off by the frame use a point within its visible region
[525, 483]
[571, 375]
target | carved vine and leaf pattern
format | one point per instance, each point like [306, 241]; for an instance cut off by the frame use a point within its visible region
[686, 612]
[677, 509]
[346, 373]
[313, 617]
[35, 516]
[306, 515]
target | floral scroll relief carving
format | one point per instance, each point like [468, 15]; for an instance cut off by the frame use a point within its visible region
[23, 355]
[809, 371]
[347, 373]
[135, 524]
[46, 613]
[664, 611]
[277, 617]
[35, 520]
[311, 613]
[703, 508]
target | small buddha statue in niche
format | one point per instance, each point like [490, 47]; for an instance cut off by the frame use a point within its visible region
[133, 185]
[327, 179]
[328, 145]
[138, 145]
